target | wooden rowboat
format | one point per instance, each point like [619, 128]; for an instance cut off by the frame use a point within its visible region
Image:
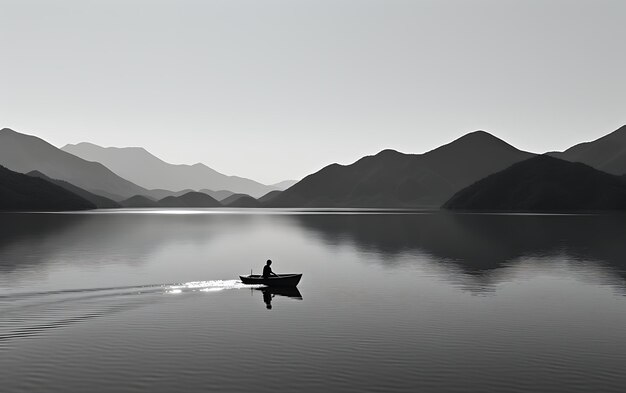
[283, 280]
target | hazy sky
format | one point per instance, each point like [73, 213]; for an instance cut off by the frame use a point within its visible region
[274, 90]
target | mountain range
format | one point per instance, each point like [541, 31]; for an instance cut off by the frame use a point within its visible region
[29, 154]
[25, 153]
[472, 172]
[143, 168]
[394, 179]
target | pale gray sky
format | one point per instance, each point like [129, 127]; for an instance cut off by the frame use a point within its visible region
[273, 89]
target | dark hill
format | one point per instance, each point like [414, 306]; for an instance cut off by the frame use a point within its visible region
[269, 196]
[241, 200]
[543, 183]
[22, 192]
[190, 199]
[100, 201]
[607, 154]
[139, 201]
[394, 179]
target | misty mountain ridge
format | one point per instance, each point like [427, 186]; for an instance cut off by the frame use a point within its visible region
[394, 179]
[26, 153]
[140, 166]
[543, 183]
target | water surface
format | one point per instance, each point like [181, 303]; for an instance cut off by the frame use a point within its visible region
[389, 301]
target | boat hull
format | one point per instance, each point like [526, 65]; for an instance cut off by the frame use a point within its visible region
[283, 280]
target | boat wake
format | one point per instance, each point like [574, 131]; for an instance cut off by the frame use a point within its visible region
[209, 286]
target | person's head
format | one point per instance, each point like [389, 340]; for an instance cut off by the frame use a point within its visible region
[269, 262]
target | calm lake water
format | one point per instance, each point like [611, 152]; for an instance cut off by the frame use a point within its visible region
[389, 302]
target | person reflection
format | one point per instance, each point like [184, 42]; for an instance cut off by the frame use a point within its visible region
[267, 298]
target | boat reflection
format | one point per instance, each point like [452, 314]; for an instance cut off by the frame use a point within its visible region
[270, 292]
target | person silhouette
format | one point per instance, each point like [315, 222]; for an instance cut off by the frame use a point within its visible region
[267, 270]
[267, 298]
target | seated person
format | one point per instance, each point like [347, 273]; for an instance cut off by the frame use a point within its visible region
[267, 270]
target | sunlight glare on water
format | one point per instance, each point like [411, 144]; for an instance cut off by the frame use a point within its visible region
[209, 286]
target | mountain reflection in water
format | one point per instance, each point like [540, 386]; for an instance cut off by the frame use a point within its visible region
[474, 250]
[479, 246]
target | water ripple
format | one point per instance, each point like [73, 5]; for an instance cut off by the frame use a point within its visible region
[28, 314]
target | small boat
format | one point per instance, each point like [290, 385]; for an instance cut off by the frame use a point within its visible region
[283, 280]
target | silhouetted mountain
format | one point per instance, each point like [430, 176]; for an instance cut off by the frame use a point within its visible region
[393, 179]
[25, 153]
[219, 195]
[22, 192]
[543, 183]
[607, 154]
[190, 199]
[99, 201]
[240, 200]
[269, 196]
[138, 165]
[139, 201]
